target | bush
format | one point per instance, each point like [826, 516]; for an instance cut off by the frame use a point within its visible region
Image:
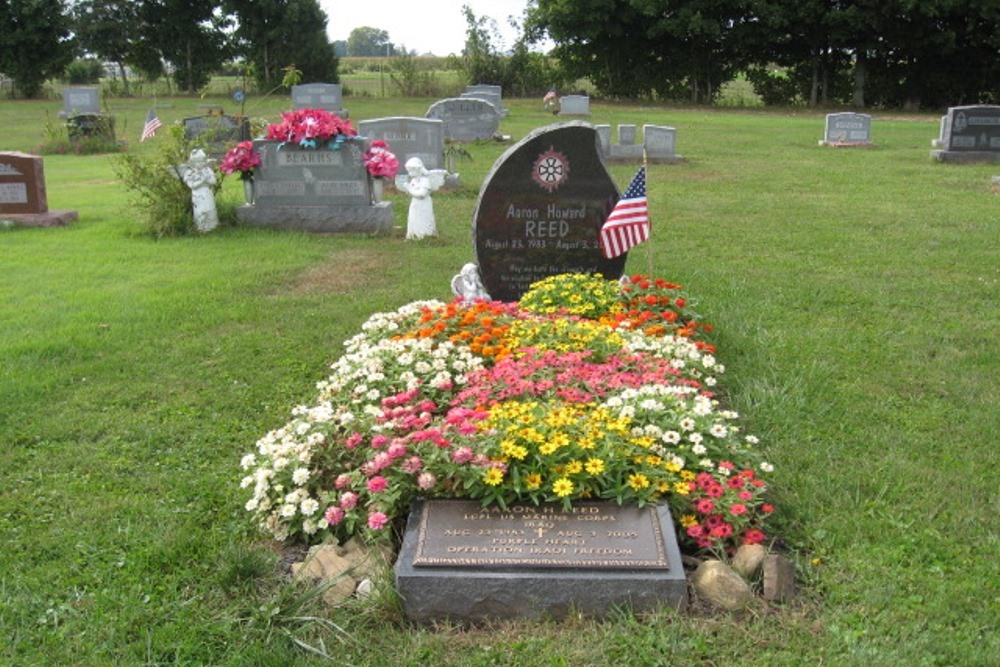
[87, 70]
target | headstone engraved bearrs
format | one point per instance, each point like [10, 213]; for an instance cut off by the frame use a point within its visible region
[409, 137]
[462, 561]
[970, 134]
[847, 129]
[23, 197]
[317, 190]
[466, 118]
[541, 209]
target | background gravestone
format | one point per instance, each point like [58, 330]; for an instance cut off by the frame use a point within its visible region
[217, 131]
[23, 197]
[80, 100]
[970, 134]
[541, 209]
[466, 119]
[574, 105]
[325, 96]
[409, 137]
[847, 129]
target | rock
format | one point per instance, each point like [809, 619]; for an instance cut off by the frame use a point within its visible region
[779, 578]
[364, 589]
[344, 569]
[748, 560]
[717, 583]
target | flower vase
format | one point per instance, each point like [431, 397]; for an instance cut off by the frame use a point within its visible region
[248, 192]
[377, 190]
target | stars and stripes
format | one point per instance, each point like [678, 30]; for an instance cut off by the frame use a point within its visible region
[152, 125]
[628, 224]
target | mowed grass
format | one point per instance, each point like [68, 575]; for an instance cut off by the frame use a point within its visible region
[854, 292]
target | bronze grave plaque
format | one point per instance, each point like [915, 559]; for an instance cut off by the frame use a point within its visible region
[462, 533]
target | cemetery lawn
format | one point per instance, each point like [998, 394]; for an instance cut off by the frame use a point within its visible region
[855, 296]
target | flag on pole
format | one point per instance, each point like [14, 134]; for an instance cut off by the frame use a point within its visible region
[152, 125]
[628, 223]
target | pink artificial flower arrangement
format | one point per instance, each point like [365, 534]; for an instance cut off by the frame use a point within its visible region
[380, 161]
[241, 158]
[310, 127]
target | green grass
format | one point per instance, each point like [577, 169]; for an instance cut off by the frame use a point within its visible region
[855, 296]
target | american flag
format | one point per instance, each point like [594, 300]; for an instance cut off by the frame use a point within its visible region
[152, 125]
[628, 223]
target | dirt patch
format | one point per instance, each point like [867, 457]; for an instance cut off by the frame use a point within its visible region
[338, 274]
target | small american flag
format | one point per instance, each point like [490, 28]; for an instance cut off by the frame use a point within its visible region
[152, 125]
[628, 223]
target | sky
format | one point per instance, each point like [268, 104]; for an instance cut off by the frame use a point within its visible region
[424, 26]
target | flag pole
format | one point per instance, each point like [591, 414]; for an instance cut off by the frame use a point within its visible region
[649, 245]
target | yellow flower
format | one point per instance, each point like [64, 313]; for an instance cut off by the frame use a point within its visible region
[493, 476]
[638, 481]
[687, 475]
[595, 466]
[562, 487]
[682, 488]
[533, 481]
[547, 448]
[688, 520]
[573, 467]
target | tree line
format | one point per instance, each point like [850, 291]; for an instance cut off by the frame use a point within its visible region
[893, 53]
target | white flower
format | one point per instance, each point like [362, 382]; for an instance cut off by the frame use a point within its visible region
[251, 505]
[752, 439]
[687, 424]
[698, 449]
[309, 506]
[247, 461]
[766, 467]
[288, 510]
[246, 481]
[672, 437]
[696, 438]
[309, 527]
[300, 476]
[718, 430]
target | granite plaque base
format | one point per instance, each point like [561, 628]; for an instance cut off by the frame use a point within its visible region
[46, 219]
[329, 219]
[965, 157]
[462, 562]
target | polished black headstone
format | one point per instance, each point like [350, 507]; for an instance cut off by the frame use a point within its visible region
[541, 209]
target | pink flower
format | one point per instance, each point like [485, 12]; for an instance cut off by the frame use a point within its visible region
[241, 158]
[342, 480]
[715, 490]
[737, 509]
[753, 536]
[462, 455]
[695, 531]
[377, 483]
[348, 500]
[334, 515]
[377, 520]
[426, 480]
[745, 495]
[378, 440]
[353, 440]
[723, 530]
[412, 465]
[704, 506]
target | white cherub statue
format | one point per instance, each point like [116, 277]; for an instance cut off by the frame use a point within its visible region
[468, 285]
[198, 175]
[419, 182]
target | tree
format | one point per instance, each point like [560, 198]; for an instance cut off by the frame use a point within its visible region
[273, 34]
[371, 42]
[109, 29]
[188, 34]
[34, 42]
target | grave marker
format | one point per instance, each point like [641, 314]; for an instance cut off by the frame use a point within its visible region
[541, 209]
[326, 96]
[847, 129]
[219, 131]
[574, 105]
[409, 137]
[23, 197]
[970, 134]
[466, 119]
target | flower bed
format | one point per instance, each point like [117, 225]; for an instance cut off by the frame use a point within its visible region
[586, 389]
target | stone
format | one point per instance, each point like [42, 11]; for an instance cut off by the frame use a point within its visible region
[540, 211]
[717, 583]
[748, 560]
[216, 132]
[79, 100]
[326, 96]
[466, 119]
[467, 285]
[199, 177]
[343, 570]
[779, 578]
[23, 196]
[574, 105]
[660, 142]
[409, 137]
[420, 183]
[970, 134]
[315, 190]
[658, 145]
[847, 129]
[462, 562]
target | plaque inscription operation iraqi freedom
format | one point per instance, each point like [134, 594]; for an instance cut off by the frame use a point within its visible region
[593, 535]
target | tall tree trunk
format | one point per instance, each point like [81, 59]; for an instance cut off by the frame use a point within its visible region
[121, 68]
[860, 75]
[814, 86]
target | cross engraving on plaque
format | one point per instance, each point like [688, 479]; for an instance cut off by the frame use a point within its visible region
[539, 531]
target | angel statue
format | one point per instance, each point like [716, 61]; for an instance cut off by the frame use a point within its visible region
[419, 182]
[198, 175]
[467, 284]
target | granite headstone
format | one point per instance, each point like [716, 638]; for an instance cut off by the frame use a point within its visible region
[462, 562]
[541, 209]
[409, 137]
[847, 129]
[325, 96]
[971, 134]
[466, 119]
[80, 100]
[216, 131]
[23, 197]
[574, 105]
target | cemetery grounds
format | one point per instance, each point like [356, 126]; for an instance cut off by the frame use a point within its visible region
[854, 294]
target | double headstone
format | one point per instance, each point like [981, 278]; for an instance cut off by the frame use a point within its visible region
[84, 118]
[541, 209]
[23, 197]
[409, 137]
[315, 190]
[490, 93]
[325, 96]
[970, 134]
[847, 129]
[466, 118]
[658, 145]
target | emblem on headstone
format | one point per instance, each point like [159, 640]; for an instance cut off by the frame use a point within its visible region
[550, 170]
